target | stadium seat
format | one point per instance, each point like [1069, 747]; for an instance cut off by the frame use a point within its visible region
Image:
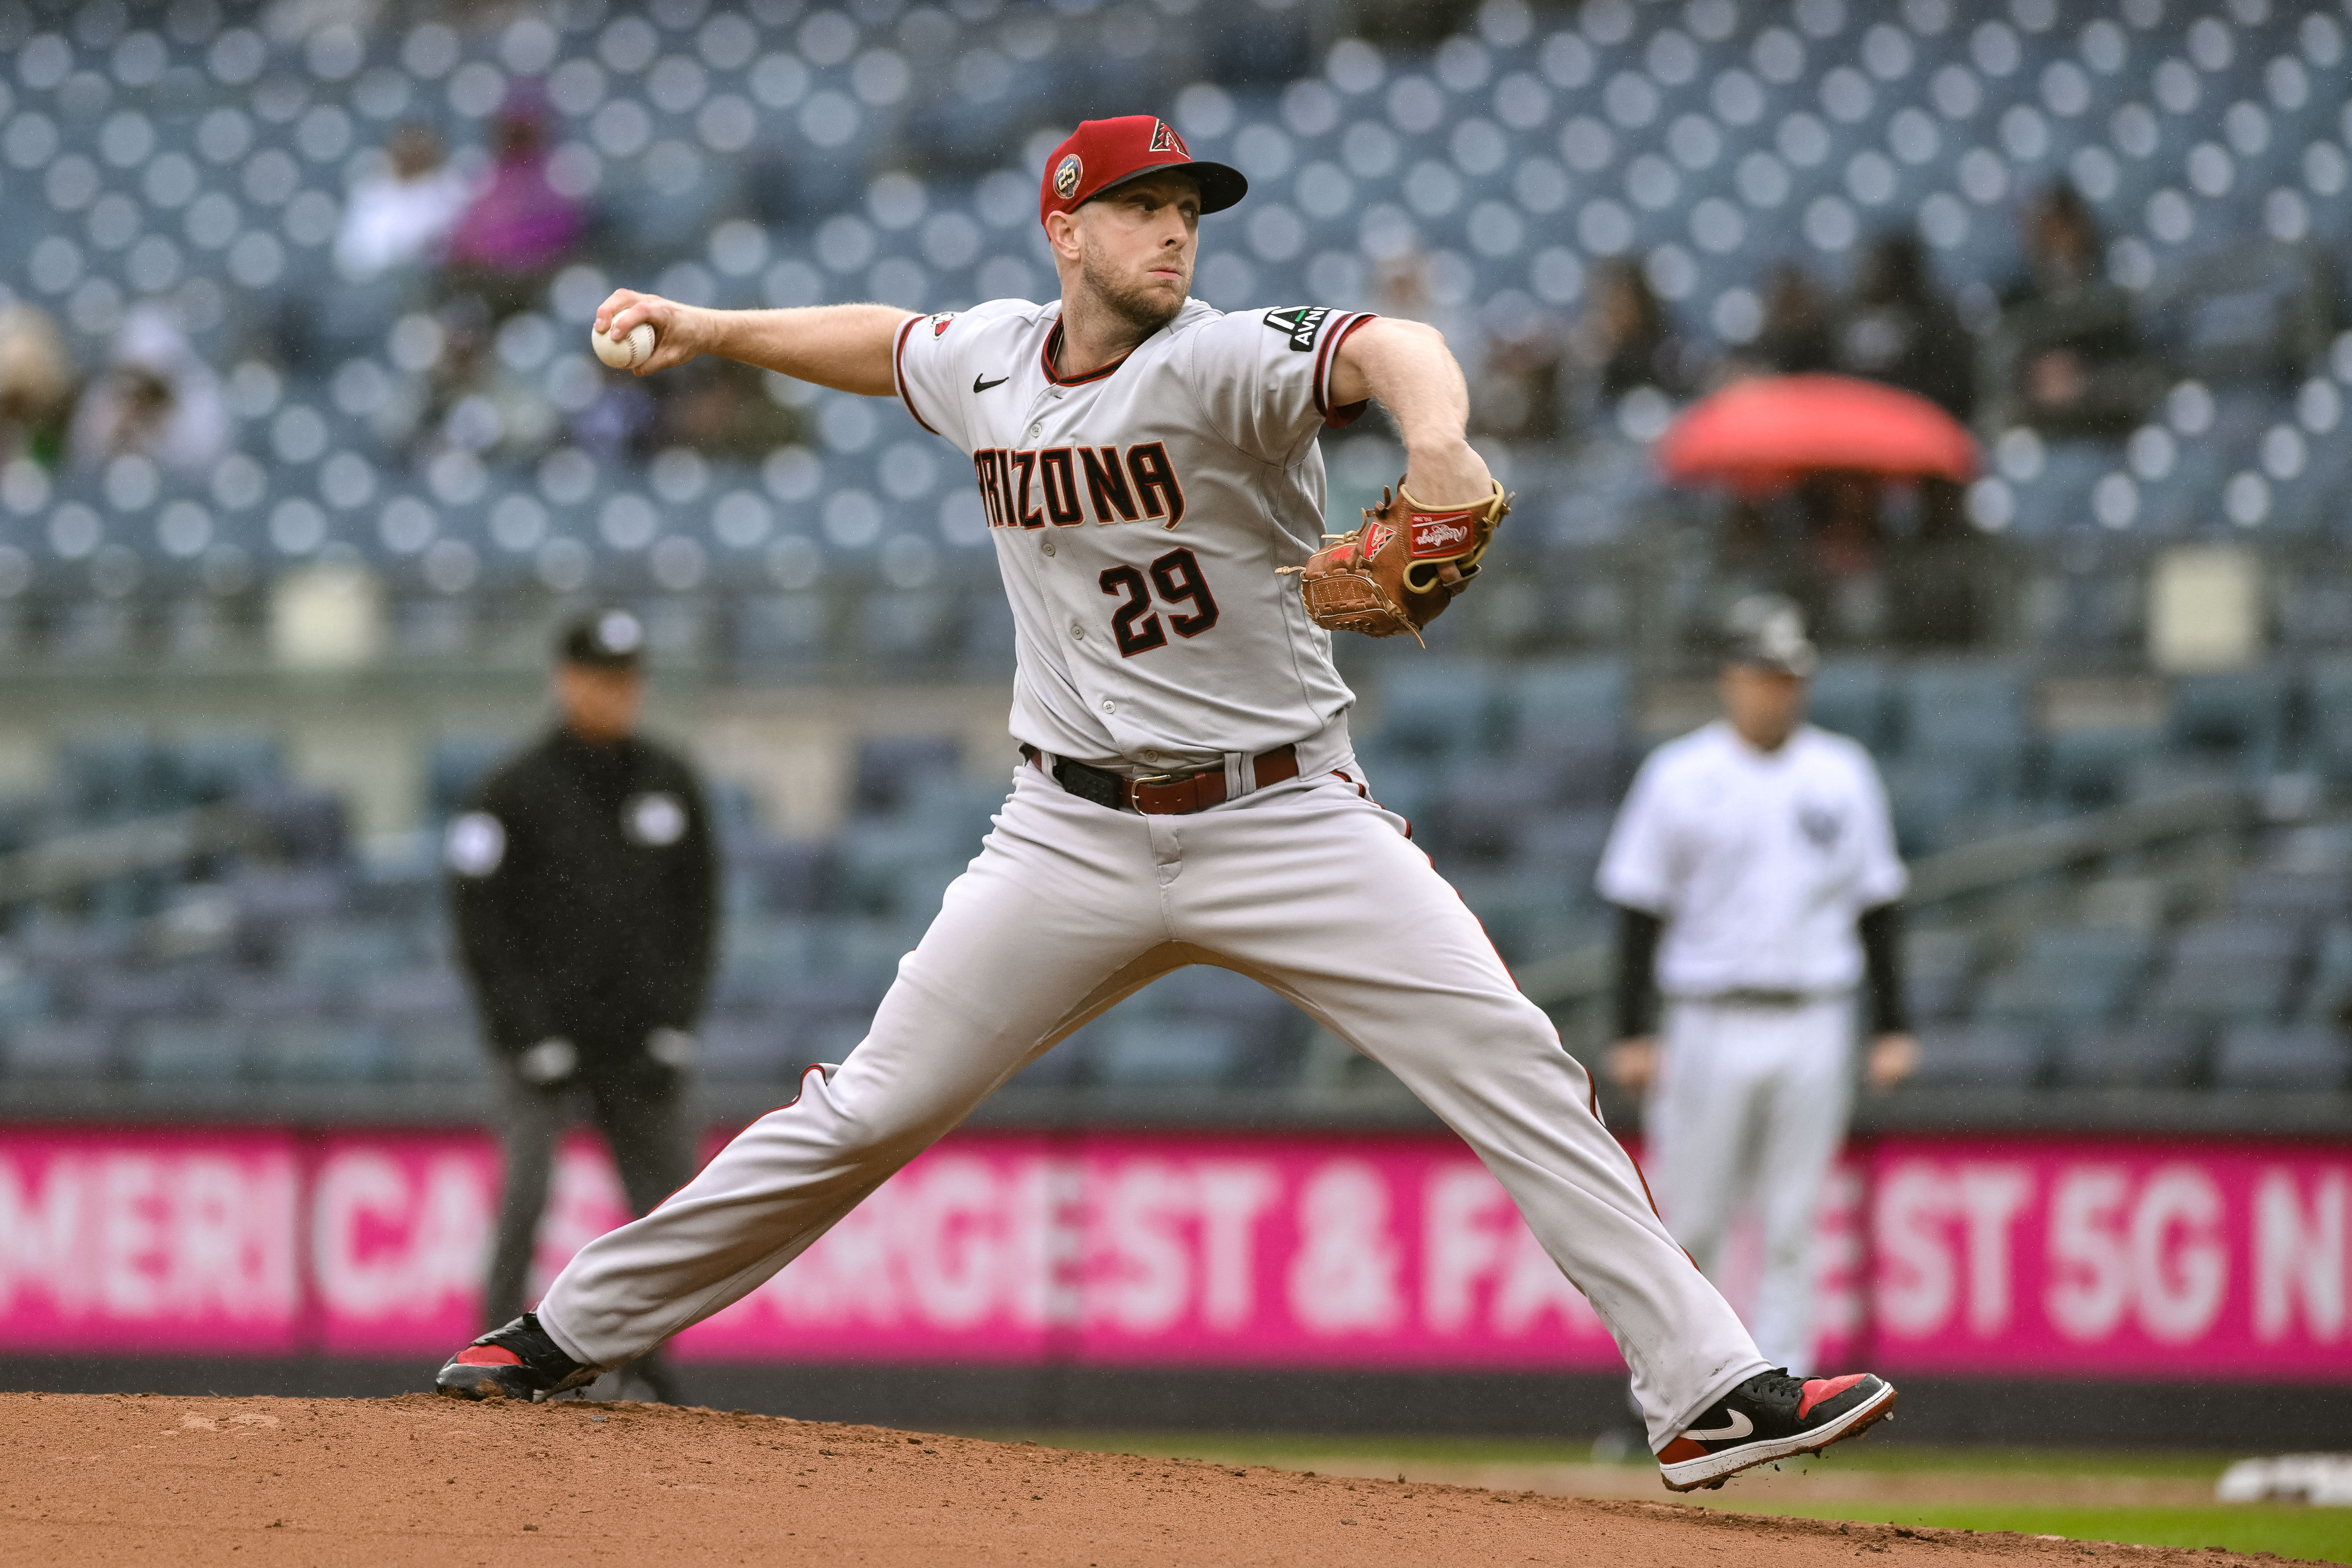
[2092, 769]
[1159, 1053]
[2248, 313]
[317, 1051]
[1434, 710]
[737, 1048]
[2307, 1058]
[1968, 720]
[2329, 712]
[457, 767]
[435, 1049]
[345, 954]
[49, 1048]
[1977, 1056]
[1850, 697]
[2237, 720]
[1582, 701]
[175, 1052]
[1938, 972]
[2077, 976]
[2152, 1056]
[890, 770]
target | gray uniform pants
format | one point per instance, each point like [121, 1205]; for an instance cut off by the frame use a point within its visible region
[651, 1135]
[1307, 886]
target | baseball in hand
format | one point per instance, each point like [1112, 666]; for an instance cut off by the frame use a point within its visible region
[625, 353]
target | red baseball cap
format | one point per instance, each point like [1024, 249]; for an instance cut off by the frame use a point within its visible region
[1101, 154]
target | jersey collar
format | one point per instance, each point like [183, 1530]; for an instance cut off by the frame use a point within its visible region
[1054, 342]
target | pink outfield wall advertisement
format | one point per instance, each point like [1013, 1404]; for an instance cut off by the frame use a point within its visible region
[1964, 1255]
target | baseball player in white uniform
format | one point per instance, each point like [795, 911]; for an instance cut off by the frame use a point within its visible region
[1755, 873]
[1187, 794]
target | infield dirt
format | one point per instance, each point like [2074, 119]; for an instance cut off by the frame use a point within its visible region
[150, 1479]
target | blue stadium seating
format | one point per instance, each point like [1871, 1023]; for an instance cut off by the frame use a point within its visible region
[742, 159]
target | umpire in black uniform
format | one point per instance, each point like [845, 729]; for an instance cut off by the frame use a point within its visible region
[584, 888]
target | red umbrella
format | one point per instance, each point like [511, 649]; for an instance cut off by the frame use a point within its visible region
[1763, 435]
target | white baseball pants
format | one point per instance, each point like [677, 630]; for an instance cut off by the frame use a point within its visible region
[1752, 1101]
[1307, 886]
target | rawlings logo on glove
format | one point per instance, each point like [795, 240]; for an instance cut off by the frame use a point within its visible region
[1385, 577]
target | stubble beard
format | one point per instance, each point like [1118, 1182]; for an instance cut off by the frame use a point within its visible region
[1135, 304]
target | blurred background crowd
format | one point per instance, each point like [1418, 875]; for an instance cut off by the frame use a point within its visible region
[301, 452]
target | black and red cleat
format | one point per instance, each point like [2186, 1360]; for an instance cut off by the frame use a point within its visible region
[1772, 1417]
[517, 1362]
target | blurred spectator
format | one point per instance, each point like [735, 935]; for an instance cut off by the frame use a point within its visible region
[1402, 286]
[2066, 357]
[473, 401]
[1623, 340]
[1896, 327]
[402, 216]
[36, 387]
[1517, 392]
[520, 228]
[621, 421]
[1795, 339]
[156, 398]
[718, 407]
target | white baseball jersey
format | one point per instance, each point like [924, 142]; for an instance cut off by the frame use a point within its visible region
[1760, 862]
[1139, 514]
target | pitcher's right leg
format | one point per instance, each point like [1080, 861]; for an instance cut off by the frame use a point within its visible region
[1058, 918]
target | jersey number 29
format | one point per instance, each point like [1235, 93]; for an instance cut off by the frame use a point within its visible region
[1177, 575]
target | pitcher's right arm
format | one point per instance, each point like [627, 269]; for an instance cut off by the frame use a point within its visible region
[845, 347]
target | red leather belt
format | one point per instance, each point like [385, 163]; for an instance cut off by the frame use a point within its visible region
[1167, 795]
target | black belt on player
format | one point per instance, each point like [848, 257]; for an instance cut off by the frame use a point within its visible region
[1163, 795]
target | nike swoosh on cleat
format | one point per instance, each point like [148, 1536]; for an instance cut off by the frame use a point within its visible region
[1740, 1428]
[980, 385]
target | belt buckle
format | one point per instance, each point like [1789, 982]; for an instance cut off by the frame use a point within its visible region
[1154, 781]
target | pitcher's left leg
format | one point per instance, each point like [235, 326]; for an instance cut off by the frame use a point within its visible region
[1316, 891]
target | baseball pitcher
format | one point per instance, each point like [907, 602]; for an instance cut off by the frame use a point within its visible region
[1186, 791]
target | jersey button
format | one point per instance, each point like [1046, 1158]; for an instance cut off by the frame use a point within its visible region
[1108, 706]
[1077, 631]
[1034, 428]
[1047, 547]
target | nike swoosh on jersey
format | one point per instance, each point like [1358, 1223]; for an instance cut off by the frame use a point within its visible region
[1740, 1428]
[980, 385]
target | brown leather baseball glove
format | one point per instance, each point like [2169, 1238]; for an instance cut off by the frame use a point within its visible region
[1383, 578]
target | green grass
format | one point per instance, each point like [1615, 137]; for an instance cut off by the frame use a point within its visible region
[1280, 1447]
[2289, 1530]
[2321, 1534]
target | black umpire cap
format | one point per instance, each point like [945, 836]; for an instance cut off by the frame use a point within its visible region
[602, 639]
[1767, 631]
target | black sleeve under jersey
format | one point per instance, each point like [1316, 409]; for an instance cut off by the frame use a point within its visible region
[1881, 959]
[1637, 955]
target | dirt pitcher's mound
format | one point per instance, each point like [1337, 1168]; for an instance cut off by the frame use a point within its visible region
[149, 1479]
